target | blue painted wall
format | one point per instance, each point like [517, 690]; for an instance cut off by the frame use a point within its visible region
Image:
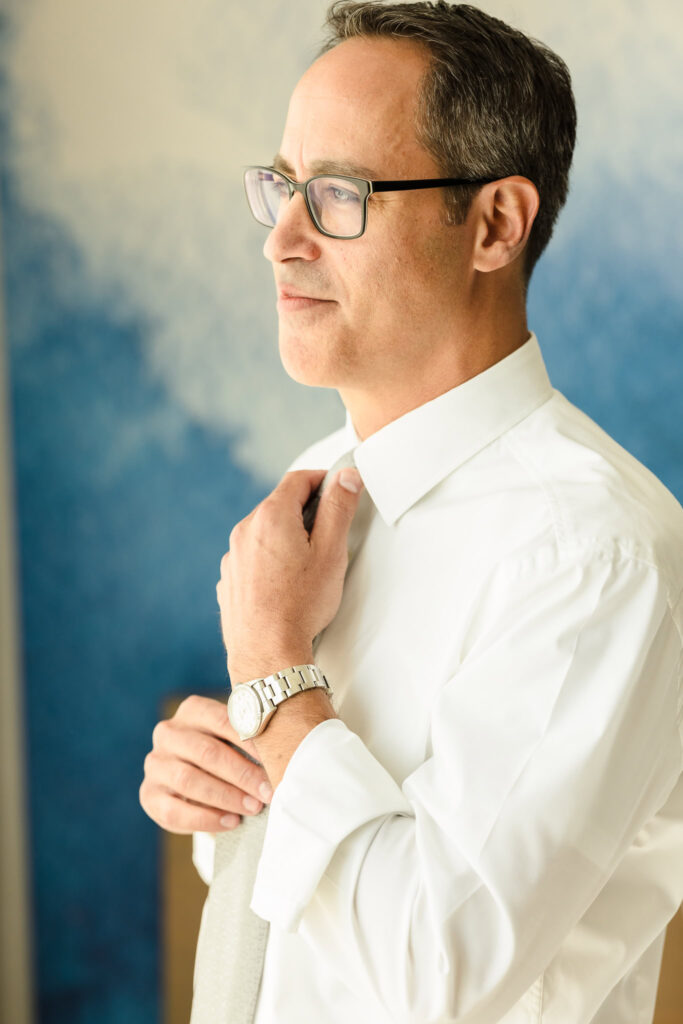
[119, 545]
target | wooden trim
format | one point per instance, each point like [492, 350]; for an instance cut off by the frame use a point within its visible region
[669, 1008]
[182, 899]
[16, 967]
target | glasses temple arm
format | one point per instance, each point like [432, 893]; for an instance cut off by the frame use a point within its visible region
[404, 186]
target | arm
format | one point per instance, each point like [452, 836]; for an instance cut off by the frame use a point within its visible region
[279, 588]
[557, 740]
[292, 723]
[196, 779]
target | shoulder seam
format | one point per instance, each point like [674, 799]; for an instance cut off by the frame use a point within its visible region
[553, 503]
[566, 545]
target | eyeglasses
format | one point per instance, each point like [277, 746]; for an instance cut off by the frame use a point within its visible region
[337, 203]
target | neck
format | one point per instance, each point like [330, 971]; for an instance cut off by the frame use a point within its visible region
[474, 344]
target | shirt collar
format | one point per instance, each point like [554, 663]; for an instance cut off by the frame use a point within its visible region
[404, 460]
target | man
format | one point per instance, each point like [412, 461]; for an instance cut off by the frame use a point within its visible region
[485, 823]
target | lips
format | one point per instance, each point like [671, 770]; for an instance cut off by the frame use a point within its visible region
[287, 292]
[291, 299]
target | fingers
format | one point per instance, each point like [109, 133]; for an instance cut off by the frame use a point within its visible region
[174, 814]
[194, 779]
[210, 716]
[184, 779]
[338, 504]
[174, 742]
[300, 484]
[284, 505]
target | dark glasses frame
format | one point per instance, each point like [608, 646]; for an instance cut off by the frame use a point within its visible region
[366, 188]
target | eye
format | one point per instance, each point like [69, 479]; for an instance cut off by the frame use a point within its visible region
[337, 194]
[274, 183]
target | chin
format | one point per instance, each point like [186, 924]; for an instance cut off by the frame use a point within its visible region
[308, 362]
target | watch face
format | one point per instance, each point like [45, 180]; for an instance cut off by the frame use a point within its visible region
[244, 710]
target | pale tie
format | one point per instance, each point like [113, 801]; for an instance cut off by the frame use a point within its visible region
[232, 938]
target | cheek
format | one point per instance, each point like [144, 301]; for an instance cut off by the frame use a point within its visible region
[371, 276]
[405, 282]
[394, 277]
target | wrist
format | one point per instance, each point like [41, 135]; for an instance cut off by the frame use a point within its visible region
[261, 666]
[290, 725]
[253, 704]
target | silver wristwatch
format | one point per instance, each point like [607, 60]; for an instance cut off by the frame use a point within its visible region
[252, 705]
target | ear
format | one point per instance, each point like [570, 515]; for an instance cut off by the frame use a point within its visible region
[505, 213]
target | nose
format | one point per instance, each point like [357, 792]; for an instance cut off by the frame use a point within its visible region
[294, 235]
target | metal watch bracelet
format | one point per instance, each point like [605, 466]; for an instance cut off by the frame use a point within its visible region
[252, 705]
[280, 685]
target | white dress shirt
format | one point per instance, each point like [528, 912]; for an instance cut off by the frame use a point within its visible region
[492, 831]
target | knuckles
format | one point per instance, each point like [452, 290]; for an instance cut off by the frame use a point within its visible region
[160, 734]
[245, 778]
[190, 707]
[182, 777]
[234, 538]
[268, 511]
[207, 754]
[266, 519]
[167, 811]
[142, 794]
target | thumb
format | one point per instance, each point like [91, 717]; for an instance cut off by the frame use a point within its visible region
[338, 504]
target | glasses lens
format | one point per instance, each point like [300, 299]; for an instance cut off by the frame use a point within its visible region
[266, 190]
[337, 206]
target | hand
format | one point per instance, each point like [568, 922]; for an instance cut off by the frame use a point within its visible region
[193, 780]
[279, 587]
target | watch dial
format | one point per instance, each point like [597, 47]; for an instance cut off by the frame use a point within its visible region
[244, 709]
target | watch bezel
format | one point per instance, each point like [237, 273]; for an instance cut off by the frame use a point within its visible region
[241, 688]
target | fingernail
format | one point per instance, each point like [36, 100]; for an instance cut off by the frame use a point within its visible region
[266, 791]
[350, 480]
[229, 820]
[251, 804]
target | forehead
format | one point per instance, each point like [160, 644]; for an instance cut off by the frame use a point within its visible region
[357, 103]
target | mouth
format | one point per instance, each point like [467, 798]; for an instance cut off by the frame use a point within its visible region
[290, 299]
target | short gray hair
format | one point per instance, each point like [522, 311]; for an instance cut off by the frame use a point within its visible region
[493, 101]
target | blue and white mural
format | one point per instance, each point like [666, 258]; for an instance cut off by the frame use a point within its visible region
[150, 410]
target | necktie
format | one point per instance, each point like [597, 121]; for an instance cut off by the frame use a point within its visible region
[232, 938]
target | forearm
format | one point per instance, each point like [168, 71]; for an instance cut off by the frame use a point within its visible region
[288, 727]
[294, 718]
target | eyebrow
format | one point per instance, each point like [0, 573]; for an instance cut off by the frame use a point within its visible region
[326, 167]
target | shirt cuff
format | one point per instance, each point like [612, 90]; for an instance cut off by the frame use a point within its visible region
[203, 850]
[331, 786]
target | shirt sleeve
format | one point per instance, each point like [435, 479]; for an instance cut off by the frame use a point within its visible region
[552, 745]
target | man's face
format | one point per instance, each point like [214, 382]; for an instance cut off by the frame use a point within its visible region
[381, 306]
